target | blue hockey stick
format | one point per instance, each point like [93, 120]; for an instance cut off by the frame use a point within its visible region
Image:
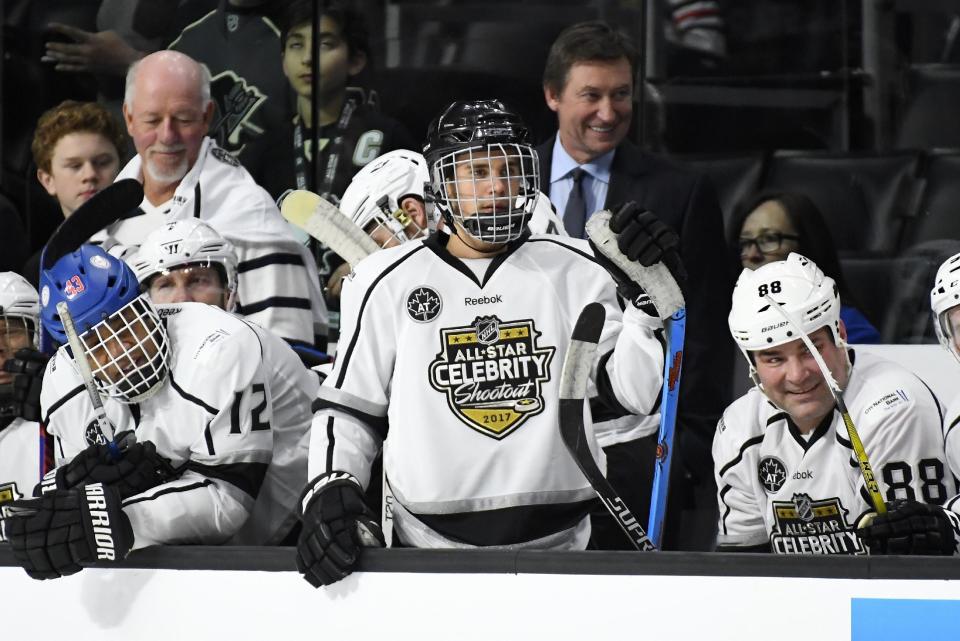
[675, 330]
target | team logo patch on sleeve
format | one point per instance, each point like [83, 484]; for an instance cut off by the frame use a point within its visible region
[93, 435]
[491, 372]
[424, 304]
[772, 473]
[806, 526]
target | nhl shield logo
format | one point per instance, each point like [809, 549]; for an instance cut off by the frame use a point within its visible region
[491, 372]
[424, 304]
[804, 506]
[772, 474]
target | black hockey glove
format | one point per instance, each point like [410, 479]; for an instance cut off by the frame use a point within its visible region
[645, 239]
[909, 527]
[137, 469]
[60, 532]
[28, 364]
[336, 523]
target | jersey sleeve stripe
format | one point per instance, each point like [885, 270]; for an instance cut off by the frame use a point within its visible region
[345, 361]
[191, 398]
[66, 397]
[606, 398]
[952, 425]
[565, 246]
[208, 437]
[377, 423]
[331, 439]
[168, 490]
[756, 440]
[292, 302]
[936, 401]
[247, 477]
[726, 512]
[278, 258]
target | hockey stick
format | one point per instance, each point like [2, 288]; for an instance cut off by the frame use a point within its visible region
[676, 329]
[329, 225]
[324, 222]
[80, 359]
[866, 470]
[103, 209]
[573, 388]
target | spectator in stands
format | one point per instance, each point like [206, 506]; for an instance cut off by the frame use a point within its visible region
[773, 224]
[590, 165]
[185, 174]
[77, 148]
[350, 130]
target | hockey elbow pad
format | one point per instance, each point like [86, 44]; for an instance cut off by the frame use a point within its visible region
[337, 522]
[63, 530]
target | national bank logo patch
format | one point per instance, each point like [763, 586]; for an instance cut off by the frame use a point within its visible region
[806, 526]
[491, 372]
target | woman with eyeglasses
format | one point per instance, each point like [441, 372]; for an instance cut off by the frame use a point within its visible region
[773, 224]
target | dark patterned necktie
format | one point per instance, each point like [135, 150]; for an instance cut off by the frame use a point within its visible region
[575, 214]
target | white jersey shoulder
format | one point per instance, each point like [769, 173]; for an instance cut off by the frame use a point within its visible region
[21, 459]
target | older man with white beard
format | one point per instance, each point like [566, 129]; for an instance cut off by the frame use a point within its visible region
[168, 111]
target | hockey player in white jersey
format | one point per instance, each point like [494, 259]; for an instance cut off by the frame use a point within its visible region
[193, 389]
[21, 445]
[910, 526]
[787, 478]
[454, 345]
[187, 261]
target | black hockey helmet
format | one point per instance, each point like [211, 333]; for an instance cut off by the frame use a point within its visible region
[484, 127]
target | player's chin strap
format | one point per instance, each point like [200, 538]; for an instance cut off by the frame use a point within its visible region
[448, 218]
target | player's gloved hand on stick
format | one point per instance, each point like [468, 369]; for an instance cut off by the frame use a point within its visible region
[60, 532]
[336, 523]
[28, 364]
[642, 238]
[910, 527]
[137, 469]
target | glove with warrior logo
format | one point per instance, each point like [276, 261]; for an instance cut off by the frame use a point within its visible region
[63, 530]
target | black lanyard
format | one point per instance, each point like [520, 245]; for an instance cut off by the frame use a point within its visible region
[333, 158]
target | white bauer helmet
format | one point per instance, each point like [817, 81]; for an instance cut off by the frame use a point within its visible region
[800, 287]
[182, 243]
[944, 296]
[18, 299]
[372, 200]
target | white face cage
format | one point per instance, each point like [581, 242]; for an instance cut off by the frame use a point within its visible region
[129, 352]
[944, 296]
[489, 190]
[392, 227]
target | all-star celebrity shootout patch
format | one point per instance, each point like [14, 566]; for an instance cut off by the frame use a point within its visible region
[491, 372]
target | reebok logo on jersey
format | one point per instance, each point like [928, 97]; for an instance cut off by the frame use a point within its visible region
[100, 521]
[491, 372]
[483, 300]
[805, 526]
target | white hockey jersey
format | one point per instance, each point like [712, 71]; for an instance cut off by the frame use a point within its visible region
[293, 389]
[464, 368]
[803, 494]
[21, 460]
[212, 416]
[277, 277]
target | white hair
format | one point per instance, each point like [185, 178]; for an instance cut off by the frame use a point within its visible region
[129, 90]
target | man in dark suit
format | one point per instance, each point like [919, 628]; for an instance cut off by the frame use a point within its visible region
[588, 166]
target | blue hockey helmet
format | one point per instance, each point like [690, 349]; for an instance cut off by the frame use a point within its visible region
[124, 339]
[94, 285]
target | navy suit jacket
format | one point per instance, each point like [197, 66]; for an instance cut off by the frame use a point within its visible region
[687, 202]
